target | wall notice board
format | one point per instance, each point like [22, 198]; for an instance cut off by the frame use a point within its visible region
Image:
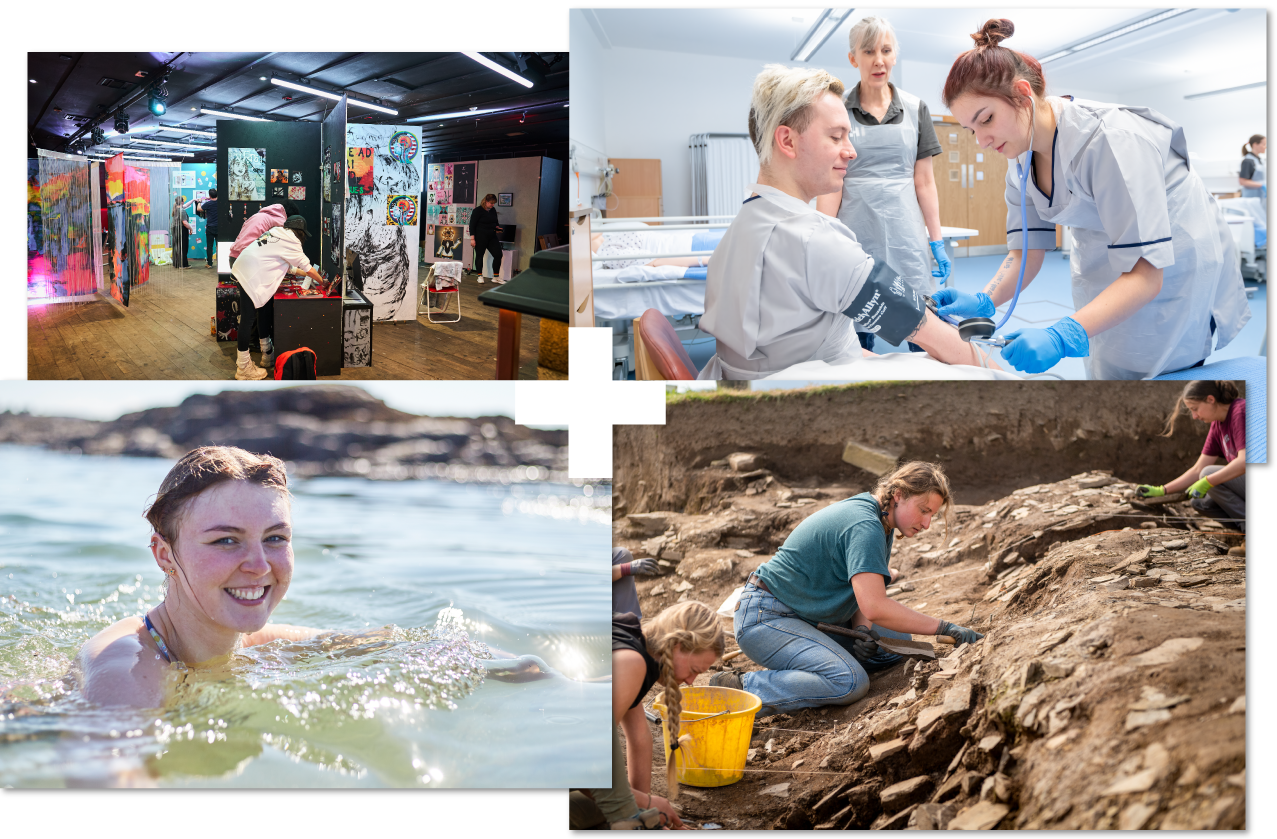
[294, 146]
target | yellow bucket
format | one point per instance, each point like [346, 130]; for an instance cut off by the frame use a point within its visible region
[721, 744]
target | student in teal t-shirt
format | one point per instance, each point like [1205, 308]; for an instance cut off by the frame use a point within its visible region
[833, 569]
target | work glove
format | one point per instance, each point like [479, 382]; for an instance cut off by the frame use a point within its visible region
[943, 265]
[1199, 489]
[1035, 350]
[959, 634]
[865, 646]
[1146, 491]
[646, 565]
[961, 304]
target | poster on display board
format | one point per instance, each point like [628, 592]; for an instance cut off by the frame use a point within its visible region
[183, 180]
[384, 161]
[246, 174]
[445, 184]
[332, 139]
[200, 177]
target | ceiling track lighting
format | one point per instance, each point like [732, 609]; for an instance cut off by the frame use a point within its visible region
[229, 115]
[1116, 33]
[826, 24]
[492, 65]
[121, 121]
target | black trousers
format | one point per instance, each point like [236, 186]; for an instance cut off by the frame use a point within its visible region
[186, 244]
[211, 237]
[248, 314]
[487, 242]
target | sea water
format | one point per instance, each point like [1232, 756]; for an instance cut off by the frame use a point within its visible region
[442, 574]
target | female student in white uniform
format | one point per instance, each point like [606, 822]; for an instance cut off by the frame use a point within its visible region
[1155, 270]
[889, 197]
[789, 284]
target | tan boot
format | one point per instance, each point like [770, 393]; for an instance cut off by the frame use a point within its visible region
[246, 370]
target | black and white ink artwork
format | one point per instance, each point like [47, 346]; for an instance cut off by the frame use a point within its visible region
[357, 338]
[246, 173]
[387, 253]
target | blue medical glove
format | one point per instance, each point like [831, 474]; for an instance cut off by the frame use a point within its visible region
[1035, 350]
[944, 266]
[961, 304]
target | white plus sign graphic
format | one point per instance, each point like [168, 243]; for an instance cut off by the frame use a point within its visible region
[589, 403]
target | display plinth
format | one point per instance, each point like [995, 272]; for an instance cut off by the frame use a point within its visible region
[305, 319]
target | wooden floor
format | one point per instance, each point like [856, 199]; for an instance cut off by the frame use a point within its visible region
[164, 334]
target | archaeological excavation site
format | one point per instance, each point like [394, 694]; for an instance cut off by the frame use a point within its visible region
[1108, 691]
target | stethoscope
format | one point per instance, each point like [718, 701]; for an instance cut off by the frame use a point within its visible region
[981, 330]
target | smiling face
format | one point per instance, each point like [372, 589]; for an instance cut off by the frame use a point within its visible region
[874, 62]
[687, 666]
[233, 557]
[1208, 411]
[912, 515]
[996, 124]
[819, 154]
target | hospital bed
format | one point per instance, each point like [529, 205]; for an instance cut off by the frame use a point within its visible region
[1248, 222]
[622, 294]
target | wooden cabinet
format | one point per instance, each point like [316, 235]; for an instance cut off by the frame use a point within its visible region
[636, 188]
[971, 184]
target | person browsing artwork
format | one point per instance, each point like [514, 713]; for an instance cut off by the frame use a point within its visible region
[259, 270]
[889, 197]
[484, 227]
[1217, 490]
[790, 284]
[209, 211]
[1155, 270]
[833, 569]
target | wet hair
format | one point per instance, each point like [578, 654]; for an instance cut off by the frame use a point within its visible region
[914, 478]
[868, 31]
[489, 197]
[205, 467]
[1225, 393]
[990, 69]
[1254, 138]
[212, 193]
[784, 96]
[693, 627]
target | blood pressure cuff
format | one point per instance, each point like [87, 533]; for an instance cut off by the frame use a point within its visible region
[886, 307]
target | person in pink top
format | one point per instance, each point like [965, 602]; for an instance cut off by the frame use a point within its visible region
[1218, 491]
[273, 216]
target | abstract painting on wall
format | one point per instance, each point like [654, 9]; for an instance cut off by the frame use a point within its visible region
[279, 176]
[359, 169]
[401, 209]
[448, 241]
[297, 176]
[246, 174]
[297, 193]
[386, 252]
[279, 191]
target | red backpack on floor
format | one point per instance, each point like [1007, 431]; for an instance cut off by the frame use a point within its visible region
[296, 364]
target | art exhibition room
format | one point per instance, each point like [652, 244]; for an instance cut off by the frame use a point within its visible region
[370, 215]
[1143, 260]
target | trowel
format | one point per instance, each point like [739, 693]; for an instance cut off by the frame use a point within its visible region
[913, 649]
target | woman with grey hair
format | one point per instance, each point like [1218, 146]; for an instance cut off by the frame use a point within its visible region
[888, 197]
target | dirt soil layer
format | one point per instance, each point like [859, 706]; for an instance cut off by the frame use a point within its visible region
[1109, 690]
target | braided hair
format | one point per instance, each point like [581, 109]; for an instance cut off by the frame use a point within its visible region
[691, 627]
[914, 478]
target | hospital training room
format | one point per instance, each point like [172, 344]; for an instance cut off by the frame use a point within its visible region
[808, 195]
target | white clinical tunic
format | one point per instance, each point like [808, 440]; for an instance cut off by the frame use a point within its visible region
[261, 266]
[778, 285]
[1121, 180]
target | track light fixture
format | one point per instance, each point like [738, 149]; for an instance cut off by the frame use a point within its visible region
[121, 121]
[97, 135]
[158, 96]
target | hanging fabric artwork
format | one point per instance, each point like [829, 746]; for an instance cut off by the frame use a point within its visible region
[65, 266]
[137, 202]
[35, 228]
[246, 173]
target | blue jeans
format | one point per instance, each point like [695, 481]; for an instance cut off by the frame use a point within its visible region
[806, 667]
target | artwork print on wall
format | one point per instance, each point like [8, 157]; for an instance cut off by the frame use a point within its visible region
[403, 145]
[246, 174]
[278, 191]
[401, 209]
[297, 176]
[386, 253]
[447, 242]
[279, 176]
[297, 193]
[463, 183]
[359, 169]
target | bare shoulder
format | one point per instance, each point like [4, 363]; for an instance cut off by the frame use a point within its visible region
[118, 667]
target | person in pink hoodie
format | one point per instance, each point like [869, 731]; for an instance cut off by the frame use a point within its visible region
[259, 223]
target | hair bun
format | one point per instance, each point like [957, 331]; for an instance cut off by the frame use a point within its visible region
[994, 32]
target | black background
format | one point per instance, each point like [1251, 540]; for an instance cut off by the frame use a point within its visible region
[289, 145]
